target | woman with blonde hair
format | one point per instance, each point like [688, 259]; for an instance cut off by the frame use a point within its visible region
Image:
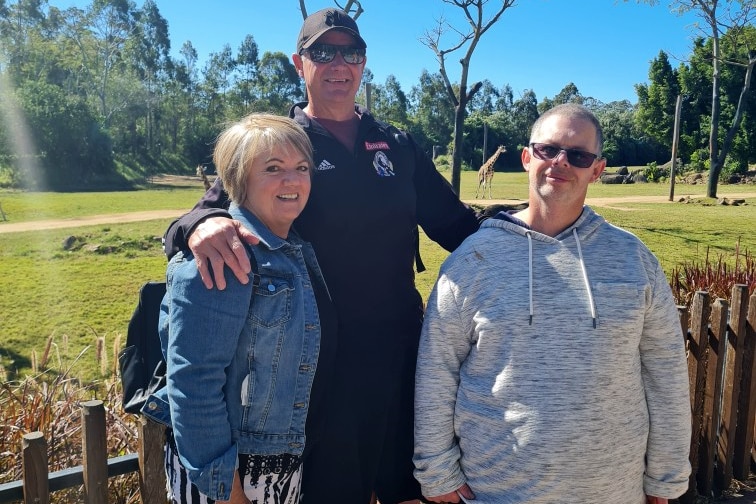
[242, 361]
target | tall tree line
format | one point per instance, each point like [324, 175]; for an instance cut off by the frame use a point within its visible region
[93, 97]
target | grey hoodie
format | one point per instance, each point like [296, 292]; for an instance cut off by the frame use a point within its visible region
[552, 370]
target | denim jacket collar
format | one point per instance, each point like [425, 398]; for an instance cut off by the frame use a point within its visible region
[255, 225]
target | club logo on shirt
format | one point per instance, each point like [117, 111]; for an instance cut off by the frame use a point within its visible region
[382, 164]
[372, 146]
[325, 165]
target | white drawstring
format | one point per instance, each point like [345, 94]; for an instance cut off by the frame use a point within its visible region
[585, 276]
[530, 274]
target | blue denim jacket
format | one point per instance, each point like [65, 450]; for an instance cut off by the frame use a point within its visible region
[241, 361]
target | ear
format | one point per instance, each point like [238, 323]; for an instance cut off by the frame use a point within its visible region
[598, 169]
[525, 157]
[297, 60]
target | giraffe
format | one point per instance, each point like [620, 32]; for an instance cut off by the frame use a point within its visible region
[201, 174]
[486, 173]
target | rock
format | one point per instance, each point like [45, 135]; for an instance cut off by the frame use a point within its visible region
[69, 242]
[612, 178]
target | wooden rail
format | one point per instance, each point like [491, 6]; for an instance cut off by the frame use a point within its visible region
[37, 483]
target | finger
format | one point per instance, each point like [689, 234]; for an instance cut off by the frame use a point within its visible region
[245, 234]
[217, 265]
[204, 272]
[466, 492]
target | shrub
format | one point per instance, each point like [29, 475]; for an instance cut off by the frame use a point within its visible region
[715, 276]
[653, 172]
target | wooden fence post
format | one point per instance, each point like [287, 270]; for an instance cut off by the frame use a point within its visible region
[747, 406]
[34, 456]
[733, 372]
[95, 452]
[682, 312]
[712, 394]
[151, 446]
[699, 337]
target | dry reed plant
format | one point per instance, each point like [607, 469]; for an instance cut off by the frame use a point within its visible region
[49, 402]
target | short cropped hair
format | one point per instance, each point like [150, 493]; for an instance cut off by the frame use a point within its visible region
[571, 110]
[244, 141]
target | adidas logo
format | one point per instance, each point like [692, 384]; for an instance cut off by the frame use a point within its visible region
[325, 165]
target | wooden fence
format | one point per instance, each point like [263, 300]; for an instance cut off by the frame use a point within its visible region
[721, 357]
[93, 474]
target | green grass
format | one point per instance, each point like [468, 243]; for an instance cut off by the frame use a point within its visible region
[90, 291]
[22, 207]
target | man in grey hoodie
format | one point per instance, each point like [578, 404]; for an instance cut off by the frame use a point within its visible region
[552, 364]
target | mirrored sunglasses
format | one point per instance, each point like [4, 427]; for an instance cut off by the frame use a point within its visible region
[324, 53]
[576, 157]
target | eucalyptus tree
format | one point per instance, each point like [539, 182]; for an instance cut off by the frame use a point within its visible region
[524, 114]
[277, 85]
[477, 26]
[216, 82]
[149, 56]
[248, 61]
[432, 113]
[101, 34]
[390, 103]
[568, 94]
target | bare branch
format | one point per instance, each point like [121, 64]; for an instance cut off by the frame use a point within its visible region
[303, 9]
[348, 8]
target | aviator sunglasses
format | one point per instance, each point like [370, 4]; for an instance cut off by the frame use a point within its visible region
[577, 158]
[324, 53]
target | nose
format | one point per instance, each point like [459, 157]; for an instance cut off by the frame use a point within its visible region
[561, 157]
[291, 178]
[338, 59]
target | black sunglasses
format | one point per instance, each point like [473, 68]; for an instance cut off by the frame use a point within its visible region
[324, 53]
[577, 158]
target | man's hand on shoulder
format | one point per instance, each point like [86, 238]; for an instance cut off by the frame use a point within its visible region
[218, 241]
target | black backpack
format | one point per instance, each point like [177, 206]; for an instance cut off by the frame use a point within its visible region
[141, 362]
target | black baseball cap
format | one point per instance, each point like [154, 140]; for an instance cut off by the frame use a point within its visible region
[324, 21]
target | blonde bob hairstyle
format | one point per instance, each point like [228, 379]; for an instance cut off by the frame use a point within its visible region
[244, 141]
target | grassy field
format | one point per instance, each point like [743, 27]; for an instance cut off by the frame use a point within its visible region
[74, 297]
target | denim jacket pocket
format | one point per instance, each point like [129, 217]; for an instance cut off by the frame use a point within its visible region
[271, 303]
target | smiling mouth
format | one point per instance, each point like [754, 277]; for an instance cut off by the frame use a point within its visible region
[288, 197]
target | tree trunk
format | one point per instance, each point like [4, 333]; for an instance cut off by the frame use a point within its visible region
[715, 165]
[459, 124]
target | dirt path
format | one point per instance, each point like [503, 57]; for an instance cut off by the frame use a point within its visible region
[94, 220]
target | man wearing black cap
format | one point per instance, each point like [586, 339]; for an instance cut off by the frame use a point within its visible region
[371, 189]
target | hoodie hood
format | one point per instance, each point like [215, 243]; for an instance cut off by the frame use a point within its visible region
[587, 224]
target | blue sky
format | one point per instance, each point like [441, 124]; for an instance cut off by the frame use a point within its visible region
[603, 46]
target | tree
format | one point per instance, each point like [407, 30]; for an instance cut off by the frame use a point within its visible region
[734, 16]
[248, 61]
[568, 94]
[390, 103]
[473, 13]
[278, 83]
[150, 59]
[433, 115]
[655, 115]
